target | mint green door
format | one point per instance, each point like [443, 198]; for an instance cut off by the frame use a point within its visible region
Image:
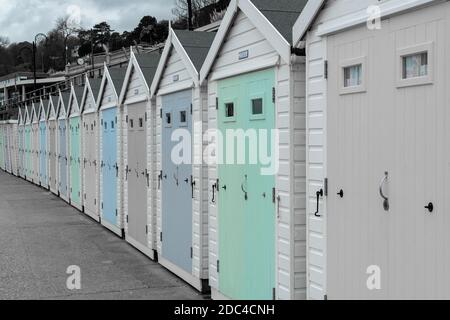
[246, 208]
[75, 161]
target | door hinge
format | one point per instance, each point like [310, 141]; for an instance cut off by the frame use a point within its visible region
[218, 266]
[160, 113]
[274, 294]
[95, 201]
[126, 119]
[115, 119]
[192, 253]
[127, 219]
[325, 297]
[146, 229]
[274, 196]
[102, 205]
[116, 213]
[217, 103]
[325, 187]
[160, 237]
[191, 108]
[325, 69]
[146, 116]
[273, 94]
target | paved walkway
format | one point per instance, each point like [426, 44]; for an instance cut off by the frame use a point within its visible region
[41, 236]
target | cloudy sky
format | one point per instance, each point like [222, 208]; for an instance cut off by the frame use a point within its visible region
[20, 20]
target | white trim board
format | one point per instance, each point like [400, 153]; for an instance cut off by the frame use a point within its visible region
[309, 13]
[313, 7]
[105, 80]
[133, 64]
[173, 41]
[273, 36]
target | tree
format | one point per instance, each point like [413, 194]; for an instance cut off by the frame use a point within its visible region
[67, 29]
[181, 11]
[4, 41]
[149, 31]
[93, 40]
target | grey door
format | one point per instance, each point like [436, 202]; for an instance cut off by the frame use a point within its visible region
[137, 175]
[176, 183]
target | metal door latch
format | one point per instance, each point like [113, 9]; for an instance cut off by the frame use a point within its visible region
[319, 194]
[215, 188]
[385, 199]
[243, 188]
[192, 186]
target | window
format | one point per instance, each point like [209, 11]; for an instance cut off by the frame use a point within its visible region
[353, 76]
[229, 110]
[257, 106]
[415, 65]
[183, 117]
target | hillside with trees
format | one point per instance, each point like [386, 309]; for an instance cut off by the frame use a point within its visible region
[63, 44]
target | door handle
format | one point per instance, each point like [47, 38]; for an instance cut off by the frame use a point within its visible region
[341, 193]
[319, 194]
[192, 186]
[430, 207]
[215, 187]
[385, 199]
[243, 188]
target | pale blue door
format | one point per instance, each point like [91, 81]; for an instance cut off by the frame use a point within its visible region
[62, 158]
[43, 153]
[177, 181]
[109, 165]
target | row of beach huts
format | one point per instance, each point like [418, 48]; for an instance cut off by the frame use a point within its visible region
[357, 92]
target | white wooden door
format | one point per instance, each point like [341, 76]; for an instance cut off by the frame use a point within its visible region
[357, 224]
[401, 130]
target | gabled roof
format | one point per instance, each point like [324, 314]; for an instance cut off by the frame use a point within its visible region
[28, 113]
[274, 19]
[305, 19]
[145, 65]
[192, 46]
[92, 88]
[20, 115]
[76, 96]
[53, 105]
[35, 111]
[64, 98]
[350, 19]
[116, 76]
[282, 14]
[94, 84]
[196, 44]
[43, 108]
